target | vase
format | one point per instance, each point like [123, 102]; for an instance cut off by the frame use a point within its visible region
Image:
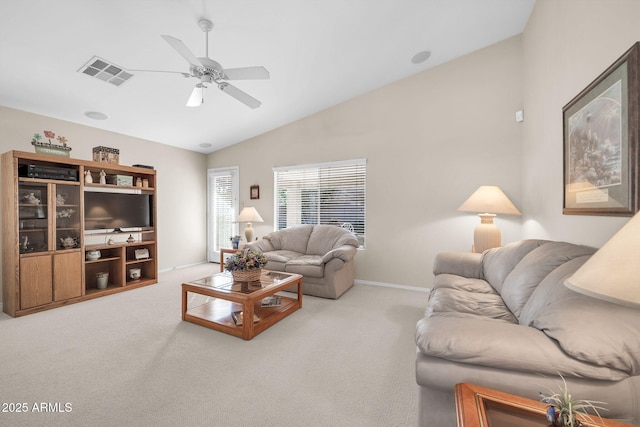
[247, 275]
[102, 280]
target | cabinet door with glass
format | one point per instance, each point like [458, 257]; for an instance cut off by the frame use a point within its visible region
[48, 216]
[33, 217]
[67, 216]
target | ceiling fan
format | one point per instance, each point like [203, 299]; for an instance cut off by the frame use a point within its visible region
[208, 71]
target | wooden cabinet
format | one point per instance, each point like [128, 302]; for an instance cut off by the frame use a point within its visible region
[45, 240]
[36, 281]
[67, 276]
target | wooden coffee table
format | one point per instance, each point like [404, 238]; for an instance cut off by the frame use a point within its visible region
[480, 406]
[212, 301]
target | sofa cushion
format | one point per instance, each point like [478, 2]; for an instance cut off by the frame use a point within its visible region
[459, 303]
[497, 263]
[533, 268]
[502, 345]
[452, 281]
[325, 237]
[593, 330]
[550, 289]
[293, 238]
[283, 255]
[307, 265]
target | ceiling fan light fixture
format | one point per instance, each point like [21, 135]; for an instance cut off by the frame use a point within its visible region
[197, 96]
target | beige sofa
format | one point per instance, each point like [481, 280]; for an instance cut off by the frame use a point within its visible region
[504, 320]
[322, 254]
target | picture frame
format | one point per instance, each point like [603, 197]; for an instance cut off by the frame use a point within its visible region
[141, 253]
[254, 192]
[600, 142]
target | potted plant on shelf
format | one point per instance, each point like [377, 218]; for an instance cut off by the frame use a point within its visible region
[246, 266]
[564, 410]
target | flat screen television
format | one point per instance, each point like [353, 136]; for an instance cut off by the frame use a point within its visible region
[105, 211]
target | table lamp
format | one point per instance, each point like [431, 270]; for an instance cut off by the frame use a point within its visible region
[249, 214]
[489, 200]
[611, 274]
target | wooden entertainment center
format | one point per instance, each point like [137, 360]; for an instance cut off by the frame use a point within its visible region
[49, 259]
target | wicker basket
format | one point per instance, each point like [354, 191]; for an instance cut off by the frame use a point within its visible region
[247, 275]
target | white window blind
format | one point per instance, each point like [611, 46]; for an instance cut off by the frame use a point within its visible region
[222, 209]
[327, 193]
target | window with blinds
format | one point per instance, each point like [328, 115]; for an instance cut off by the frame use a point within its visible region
[328, 193]
[222, 207]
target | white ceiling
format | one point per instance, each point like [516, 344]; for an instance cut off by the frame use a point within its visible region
[319, 53]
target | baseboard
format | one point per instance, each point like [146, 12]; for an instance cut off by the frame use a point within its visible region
[177, 267]
[391, 285]
[359, 282]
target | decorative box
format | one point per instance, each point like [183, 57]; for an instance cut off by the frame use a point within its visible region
[106, 155]
[125, 180]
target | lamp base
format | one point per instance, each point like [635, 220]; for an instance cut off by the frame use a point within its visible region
[248, 232]
[486, 235]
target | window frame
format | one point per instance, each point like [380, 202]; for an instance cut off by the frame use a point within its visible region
[332, 176]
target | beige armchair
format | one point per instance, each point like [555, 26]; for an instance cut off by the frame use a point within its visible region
[322, 254]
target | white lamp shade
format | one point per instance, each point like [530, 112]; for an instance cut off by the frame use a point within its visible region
[249, 214]
[489, 199]
[613, 272]
[195, 100]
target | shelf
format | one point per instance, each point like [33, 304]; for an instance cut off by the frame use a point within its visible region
[46, 181]
[219, 311]
[124, 187]
[137, 261]
[119, 244]
[99, 260]
[139, 282]
[91, 291]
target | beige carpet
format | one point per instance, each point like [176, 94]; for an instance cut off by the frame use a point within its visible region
[129, 360]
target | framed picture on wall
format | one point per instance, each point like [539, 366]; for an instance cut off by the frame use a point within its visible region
[255, 191]
[601, 126]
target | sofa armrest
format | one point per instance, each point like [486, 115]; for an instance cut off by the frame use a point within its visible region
[344, 252]
[262, 245]
[465, 264]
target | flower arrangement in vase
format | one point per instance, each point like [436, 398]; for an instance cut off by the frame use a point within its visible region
[563, 409]
[246, 266]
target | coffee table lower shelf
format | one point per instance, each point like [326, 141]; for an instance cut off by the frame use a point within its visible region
[217, 314]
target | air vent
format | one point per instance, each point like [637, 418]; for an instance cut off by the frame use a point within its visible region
[105, 71]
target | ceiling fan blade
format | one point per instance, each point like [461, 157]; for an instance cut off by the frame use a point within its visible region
[183, 50]
[241, 96]
[161, 71]
[246, 73]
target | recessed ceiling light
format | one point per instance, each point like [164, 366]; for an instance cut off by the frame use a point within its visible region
[420, 57]
[205, 145]
[96, 115]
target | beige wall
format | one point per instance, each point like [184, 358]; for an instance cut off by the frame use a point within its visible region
[430, 140]
[566, 45]
[181, 177]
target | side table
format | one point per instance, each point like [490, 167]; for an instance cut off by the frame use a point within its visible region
[226, 251]
[481, 406]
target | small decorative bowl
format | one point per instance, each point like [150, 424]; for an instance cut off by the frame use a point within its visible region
[92, 255]
[134, 273]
